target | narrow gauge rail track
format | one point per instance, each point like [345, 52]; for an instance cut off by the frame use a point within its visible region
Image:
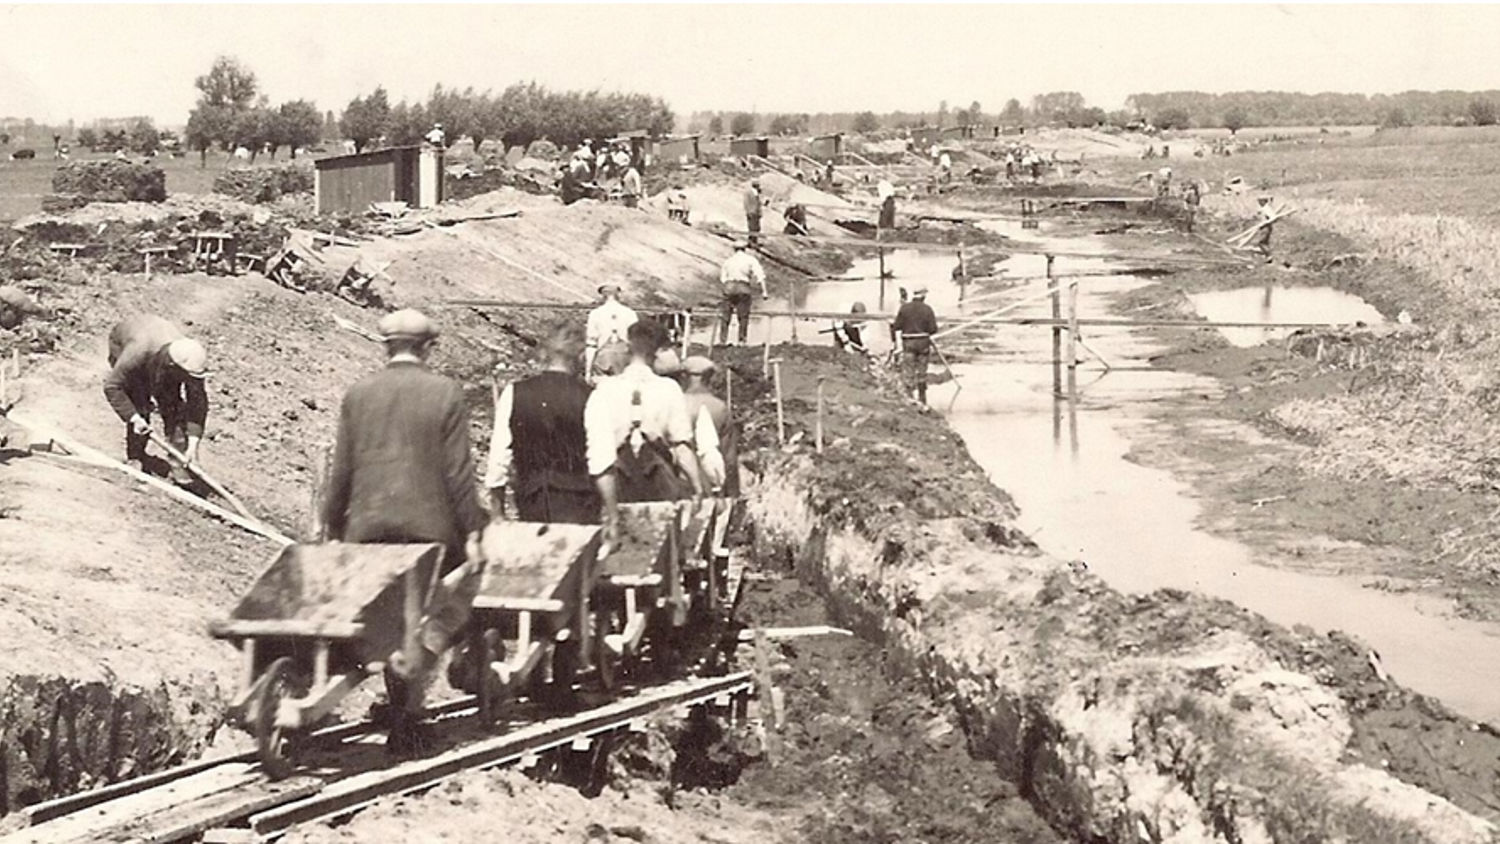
[231, 799]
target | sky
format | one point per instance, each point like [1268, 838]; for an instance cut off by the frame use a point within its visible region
[85, 62]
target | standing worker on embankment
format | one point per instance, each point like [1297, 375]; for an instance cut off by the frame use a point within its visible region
[914, 326]
[402, 473]
[739, 275]
[887, 193]
[639, 436]
[754, 202]
[539, 431]
[153, 364]
[630, 187]
[606, 351]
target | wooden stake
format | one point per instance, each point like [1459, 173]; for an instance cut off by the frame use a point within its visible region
[780, 409]
[1056, 330]
[818, 431]
[687, 332]
[880, 253]
[1073, 325]
[765, 356]
[729, 392]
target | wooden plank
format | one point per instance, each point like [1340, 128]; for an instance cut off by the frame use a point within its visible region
[348, 795]
[536, 605]
[245, 628]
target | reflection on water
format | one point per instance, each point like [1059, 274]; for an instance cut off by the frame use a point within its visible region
[1280, 304]
[1137, 527]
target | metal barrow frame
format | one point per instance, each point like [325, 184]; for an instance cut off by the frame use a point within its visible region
[318, 620]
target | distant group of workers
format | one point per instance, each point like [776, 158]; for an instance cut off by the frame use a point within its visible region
[589, 169]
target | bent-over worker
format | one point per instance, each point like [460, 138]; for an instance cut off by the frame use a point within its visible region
[849, 333]
[639, 434]
[739, 276]
[154, 365]
[539, 432]
[403, 474]
[606, 350]
[914, 326]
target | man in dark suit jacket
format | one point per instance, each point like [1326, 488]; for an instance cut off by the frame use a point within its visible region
[402, 469]
[403, 473]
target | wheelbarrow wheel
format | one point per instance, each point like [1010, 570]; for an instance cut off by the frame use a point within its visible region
[607, 664]
[273, 742]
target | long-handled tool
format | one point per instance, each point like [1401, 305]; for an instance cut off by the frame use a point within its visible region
[214, 485]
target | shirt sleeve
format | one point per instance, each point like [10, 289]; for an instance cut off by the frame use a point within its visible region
[724, 271]
[116, 384]
[599, 432]
[196, 394]
[498, 473]
[458, 465]
[706, 438]
[757, 272]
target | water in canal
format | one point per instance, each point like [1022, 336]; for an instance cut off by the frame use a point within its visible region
[1065, 464]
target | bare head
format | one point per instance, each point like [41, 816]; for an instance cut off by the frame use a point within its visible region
[563, 346]
[645, 336]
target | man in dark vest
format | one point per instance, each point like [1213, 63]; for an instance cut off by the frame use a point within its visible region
[403, 474]
[539, 432]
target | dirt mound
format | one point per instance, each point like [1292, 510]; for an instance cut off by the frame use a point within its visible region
[110, 181]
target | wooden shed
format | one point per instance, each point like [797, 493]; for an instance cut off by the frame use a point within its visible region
[923, 137]
[760, 146]
[828, 147]
[349, 183]
[682, 148]
[642, 147]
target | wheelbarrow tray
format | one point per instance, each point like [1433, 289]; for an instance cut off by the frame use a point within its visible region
[536, 567]
[647, 539]
[353, 592]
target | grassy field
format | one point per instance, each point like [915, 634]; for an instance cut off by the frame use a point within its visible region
[23, 184]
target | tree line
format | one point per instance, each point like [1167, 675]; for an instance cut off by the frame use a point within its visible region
[1169, 110]
[232, 112]
[520, 114]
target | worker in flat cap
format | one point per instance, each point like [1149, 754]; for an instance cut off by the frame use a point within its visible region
[154, 366]
[403, 474]
[739, 275]
[606, 349]
[712, 433]
[914, 326]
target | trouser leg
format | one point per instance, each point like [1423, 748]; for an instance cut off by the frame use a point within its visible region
[726, 310]
[742, 311]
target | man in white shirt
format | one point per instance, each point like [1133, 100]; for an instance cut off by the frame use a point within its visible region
[739, 276]
[630, 187]
[606, 349]
[639, 435]
[945, 164]
[437, 136]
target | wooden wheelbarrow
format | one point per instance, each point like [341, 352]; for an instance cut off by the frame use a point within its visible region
[315, 624]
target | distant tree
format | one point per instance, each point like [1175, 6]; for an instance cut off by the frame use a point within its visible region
[716, 125]
[789, 124]
[1090, 116]
[1235, 119]
[228, 83]
[207, 125]
[942, 113]
[331, 126]
[1058, 107]
[366, 119]
[866, 122]
[454, 109]
[87, 137]
[1482, 112]
[742, 124]
[144, 138]
[1013, 114]
[976, 113]
[1395, 117]
[4, 139]
[255, 129]
[113, 139]
[409, 124]
[1172, 118]
[298, 124]
[490, 120]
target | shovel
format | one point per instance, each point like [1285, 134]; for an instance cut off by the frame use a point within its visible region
[214, 485]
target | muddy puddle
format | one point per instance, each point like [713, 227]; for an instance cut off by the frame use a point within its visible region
[1276, 304]
[1064, 460]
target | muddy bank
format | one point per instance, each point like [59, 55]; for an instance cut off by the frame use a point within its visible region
[1369, 443]
[1166, 715]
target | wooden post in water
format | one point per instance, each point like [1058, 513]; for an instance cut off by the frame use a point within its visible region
[791, 305]
[963, 275]
[1072, 326]
[818, 430]
[687, 332]
[1056, 330]
[780, 410]
[880, 254]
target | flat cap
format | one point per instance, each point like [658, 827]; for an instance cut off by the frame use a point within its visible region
[919, 290]
[698, 365]
[609, 287]
[406, 323]
[666, 363]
